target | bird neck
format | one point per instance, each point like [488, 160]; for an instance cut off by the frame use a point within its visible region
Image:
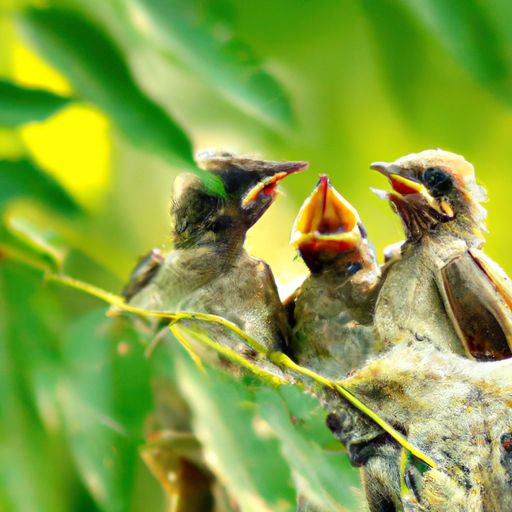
[227, 246]
[468, 225]
[445, 241]
[345, 264]
[463, 228]
[231, 245]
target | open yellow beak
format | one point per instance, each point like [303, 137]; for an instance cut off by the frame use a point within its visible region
[404, 187]
[326, 221]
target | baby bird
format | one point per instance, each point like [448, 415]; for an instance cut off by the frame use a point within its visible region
[333, 309]
[209, 271]
[443, 289]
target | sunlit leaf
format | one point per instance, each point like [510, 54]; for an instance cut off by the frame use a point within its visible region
[223, 60]
[99, 73]
[22, 178]
[326, 479]
[238, 446]
[20, 105]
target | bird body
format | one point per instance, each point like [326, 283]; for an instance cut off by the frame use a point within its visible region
[208, 271]
[240, 288]
[333, 318]
[409, 305]
[333, 309]
[441, 298]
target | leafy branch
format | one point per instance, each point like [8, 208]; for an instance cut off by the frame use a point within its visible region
[278, 358]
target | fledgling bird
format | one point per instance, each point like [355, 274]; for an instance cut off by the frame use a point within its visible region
[443, 290]
[333, 309]
[209, 270]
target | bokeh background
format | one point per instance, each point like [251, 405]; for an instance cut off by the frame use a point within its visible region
[103, 102]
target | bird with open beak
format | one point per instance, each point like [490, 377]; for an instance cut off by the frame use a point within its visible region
[209, 271]
[333, 309]
[443, 289]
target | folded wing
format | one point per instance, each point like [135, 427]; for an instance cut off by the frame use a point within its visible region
[478, 298]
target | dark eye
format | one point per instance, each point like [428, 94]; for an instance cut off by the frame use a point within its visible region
[438, 182]
[354, 267]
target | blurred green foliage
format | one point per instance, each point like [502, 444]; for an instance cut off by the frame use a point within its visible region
[340, 84]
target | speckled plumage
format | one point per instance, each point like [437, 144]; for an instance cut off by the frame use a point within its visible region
[453, 409]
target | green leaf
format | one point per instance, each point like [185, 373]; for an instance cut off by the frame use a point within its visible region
[27, 449]
[99, 73]
[104, 397]
[20, 105]
[23, 178]
[181, 29]
[309, 417]
[471, 32]
[326, 479]
[238, 446]
[38, 242]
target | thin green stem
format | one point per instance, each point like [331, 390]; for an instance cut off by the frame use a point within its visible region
[228, 352]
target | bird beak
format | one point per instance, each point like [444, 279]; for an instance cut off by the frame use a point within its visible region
[407, 190]
[326, 221]
[268, 184]
[402, 185]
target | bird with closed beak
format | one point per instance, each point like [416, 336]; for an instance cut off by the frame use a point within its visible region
[333, 309]
[209, 270]
[443, 289]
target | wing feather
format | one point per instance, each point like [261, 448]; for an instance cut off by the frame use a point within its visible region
[478, 299]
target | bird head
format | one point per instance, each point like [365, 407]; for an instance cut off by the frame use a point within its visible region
[328, 231]
[434, 188]
[250, 186]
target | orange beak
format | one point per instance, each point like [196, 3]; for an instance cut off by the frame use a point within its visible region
[326, 222]
[404, 186]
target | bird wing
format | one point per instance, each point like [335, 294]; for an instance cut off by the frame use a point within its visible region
[477, 295]
[143, 273]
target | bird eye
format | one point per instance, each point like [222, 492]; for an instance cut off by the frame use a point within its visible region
[438, 181]
[354, 267]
